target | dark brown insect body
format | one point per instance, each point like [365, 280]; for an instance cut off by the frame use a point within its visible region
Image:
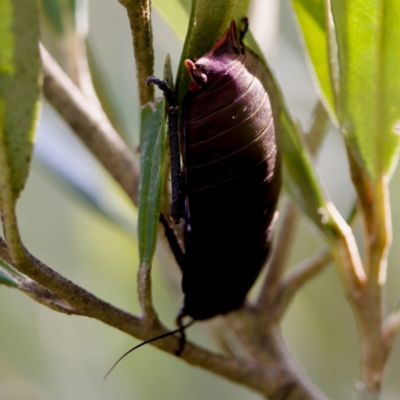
[232, 175]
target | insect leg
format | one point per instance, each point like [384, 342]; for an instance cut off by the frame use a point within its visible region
[178, 193]
[173, 243]
[182, 339]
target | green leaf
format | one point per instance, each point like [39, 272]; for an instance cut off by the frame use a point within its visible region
[19, 87]
[7, 41]
[368, 34]
[311, 16]
[152, 148]
[209, 19]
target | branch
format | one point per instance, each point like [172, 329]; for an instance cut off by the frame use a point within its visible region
[250, 374]
[91, 124]
[273, 381]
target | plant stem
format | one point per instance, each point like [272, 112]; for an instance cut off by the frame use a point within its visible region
[144, 291]
[373, 196]
[139, 15]
[374, 348]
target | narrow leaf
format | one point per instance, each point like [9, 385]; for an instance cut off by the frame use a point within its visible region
[10, 269]
[368, 35]
[19, 87]
[312, 18]
[152, 148]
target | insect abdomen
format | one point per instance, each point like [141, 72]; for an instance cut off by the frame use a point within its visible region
[232, 179]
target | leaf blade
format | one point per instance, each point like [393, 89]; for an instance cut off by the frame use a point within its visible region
[311, 17]
[368, 36]
[150, 186]
[19, 92]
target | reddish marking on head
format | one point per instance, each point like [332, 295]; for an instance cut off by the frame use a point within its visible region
[198, 78]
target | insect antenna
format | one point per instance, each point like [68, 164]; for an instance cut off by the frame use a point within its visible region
[180, 329]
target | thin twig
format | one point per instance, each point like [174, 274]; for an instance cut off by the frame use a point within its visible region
[391, 328]
[301, 273]
[144, 291]
[283, 242]
[295, 279]
[139, 14]
[315, 135]
[91, 125]
[345, 252]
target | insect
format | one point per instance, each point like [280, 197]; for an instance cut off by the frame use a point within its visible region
[227, 191]
[230, 179]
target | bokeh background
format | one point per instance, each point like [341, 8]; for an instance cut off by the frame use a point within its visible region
[46, 355]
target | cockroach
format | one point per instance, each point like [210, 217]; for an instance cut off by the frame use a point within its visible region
[227, 191]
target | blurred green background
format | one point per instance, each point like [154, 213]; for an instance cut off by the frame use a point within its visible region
[46, 355]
